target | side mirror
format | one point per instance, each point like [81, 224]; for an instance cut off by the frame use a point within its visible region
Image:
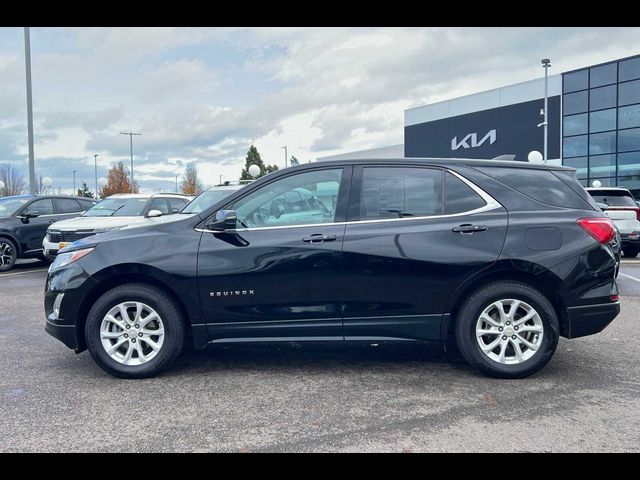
[154, 213]
[224, 220]
[28, 214]
[602, 206]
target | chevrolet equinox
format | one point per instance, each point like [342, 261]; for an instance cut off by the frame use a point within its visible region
[503, 256]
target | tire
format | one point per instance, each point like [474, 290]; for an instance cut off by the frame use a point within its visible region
[493, 363]
[630, 252]
[170, 319]
[8, 254]
[46, 258]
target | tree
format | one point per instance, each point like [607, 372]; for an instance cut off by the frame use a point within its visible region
[13, 180]
[253, 158]
[294, 161]
[118, 181]
[191, 184]
[84, 191]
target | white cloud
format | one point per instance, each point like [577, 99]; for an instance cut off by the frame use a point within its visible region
[206, 94]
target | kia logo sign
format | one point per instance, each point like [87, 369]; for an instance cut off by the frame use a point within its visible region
[471, 140]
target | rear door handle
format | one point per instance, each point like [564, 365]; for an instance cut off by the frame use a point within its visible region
[319, 238]
[468, 228]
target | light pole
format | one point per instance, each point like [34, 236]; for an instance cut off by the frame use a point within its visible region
[95, 166]
[285, 156]
[131, 134]
[177, 175]
[27, 61]
[221, 179]
[546, 63]
[74, 183]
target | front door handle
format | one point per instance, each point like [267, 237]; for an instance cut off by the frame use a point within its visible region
[319, 238]
[468, 228]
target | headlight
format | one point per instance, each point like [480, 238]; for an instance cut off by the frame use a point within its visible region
[64, 259]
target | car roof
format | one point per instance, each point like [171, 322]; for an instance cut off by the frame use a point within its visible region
[472, 162]
[226, 187]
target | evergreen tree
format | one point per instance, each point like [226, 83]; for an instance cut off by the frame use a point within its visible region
[84, 191]
[294, 161]
[254, 158]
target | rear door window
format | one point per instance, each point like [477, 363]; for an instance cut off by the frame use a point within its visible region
[399, 192]
[67, 205]
[459, 197]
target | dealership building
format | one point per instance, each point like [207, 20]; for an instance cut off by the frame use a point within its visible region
[593, 124]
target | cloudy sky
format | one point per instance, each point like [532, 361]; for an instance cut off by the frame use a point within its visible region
[207, 94]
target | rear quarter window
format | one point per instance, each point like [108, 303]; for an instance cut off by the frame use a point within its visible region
[540, 185]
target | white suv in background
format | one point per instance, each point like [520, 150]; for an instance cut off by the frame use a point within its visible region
[112, 213]
[620, 205]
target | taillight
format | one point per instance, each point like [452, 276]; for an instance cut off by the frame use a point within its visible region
[638, 214]
[602, 229]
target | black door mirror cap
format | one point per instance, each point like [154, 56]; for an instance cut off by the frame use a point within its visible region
[223, 220]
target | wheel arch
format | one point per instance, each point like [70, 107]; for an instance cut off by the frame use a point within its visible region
[538, 277]
[118, 275]
[14, 240]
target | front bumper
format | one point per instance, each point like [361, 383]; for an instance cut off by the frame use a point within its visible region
[51, 248]
[67, 334]
[590, 319]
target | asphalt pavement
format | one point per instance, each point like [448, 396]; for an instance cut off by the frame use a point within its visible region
[407, 397]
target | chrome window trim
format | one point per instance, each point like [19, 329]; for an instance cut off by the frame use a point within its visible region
[491, 204]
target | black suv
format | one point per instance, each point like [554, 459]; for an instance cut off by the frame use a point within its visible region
[24, 220]
[503, 256]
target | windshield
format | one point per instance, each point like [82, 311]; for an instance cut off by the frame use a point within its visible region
[9, 206]
[614, 198]
[118, 207]
[205, 200]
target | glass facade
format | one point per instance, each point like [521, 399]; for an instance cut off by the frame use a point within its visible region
[601, 123]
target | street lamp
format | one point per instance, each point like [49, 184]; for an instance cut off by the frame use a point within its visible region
[285, 156]
[27, 62]
[131, 134]
[546, 63]
[177, 175]
[74, 183]
[95, 166]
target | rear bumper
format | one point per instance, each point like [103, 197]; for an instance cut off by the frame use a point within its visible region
[590, 319]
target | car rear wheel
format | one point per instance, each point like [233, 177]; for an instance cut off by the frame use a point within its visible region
[135, 331]
[507, 330]
[8, 254]
[630, 252]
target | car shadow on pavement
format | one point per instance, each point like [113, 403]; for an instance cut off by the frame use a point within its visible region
[315, 355]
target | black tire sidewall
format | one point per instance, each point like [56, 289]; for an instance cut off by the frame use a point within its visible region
[15, 254]
[166, 309]
[632, 251]
[473, 307]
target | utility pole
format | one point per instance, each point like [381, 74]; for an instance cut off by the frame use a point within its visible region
[131, 134]
[95, 166]
[285, 156]
[74, 183]
[546, 63]
[27, 61]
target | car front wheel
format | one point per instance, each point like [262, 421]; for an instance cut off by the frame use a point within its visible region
[507, 330]
[135, 331]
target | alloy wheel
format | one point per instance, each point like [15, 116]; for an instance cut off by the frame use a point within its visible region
[509, 331]
[132, 333]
